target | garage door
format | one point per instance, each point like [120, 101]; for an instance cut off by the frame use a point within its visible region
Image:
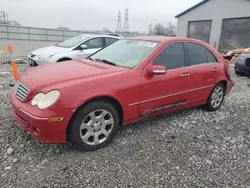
[235, 34]
[200, 30]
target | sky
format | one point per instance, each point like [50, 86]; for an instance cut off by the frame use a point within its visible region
[94, 14]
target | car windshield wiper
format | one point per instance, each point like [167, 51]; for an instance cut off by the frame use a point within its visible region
[89, 58]
[106, 62]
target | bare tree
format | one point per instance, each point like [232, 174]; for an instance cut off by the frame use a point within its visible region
[170, 29]
[106, 30]
[63, 28]
[159, 29]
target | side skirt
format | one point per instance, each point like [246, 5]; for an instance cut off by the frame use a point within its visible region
[165, 107]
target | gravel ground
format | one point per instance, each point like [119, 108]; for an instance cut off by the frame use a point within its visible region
[189, 148]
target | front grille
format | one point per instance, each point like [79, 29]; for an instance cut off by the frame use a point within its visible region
[32, 55]
[21, 92]
[248, 62]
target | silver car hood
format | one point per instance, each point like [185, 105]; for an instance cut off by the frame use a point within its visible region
[50, 49]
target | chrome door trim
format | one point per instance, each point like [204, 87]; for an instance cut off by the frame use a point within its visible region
[166, 96]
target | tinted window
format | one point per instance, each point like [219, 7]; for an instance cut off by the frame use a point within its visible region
[172, 57]
[211, 57]
[94, 43]
[110, 41]
[196, 54]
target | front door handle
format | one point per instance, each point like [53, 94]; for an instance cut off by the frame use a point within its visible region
[185, 74]
[214, 69]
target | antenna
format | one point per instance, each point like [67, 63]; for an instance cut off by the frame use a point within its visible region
[126, 25]
[119, 23]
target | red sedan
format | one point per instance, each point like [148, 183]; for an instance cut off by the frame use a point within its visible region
[134, 78]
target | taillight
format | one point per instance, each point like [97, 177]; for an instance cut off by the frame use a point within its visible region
[227, 70]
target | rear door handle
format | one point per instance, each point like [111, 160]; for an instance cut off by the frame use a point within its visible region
[185, 74]
[214, 69]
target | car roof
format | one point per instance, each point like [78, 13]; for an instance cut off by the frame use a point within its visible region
[151, 38]
[97, 35]
[164, 39]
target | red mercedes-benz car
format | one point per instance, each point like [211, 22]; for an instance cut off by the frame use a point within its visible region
[134, 78]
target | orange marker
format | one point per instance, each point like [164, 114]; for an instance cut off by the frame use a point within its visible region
[13, 63]
[10, 49]
[14, 69]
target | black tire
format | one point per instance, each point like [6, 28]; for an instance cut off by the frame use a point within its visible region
[74, 133]
[209, 106]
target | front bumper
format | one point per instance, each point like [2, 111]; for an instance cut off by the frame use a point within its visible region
[241, 67]
[33, 61]
[32, 119]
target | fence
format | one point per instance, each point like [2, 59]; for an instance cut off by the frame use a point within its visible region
[9, 32]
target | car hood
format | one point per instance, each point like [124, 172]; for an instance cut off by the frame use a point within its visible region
[50, 49]
[58, 75]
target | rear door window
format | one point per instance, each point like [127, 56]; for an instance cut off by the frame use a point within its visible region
[211, 58]
[196, 54]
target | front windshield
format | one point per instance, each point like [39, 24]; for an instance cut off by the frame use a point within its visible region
[72, 41]
[126, 53]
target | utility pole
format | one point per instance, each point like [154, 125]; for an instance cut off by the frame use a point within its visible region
[119, 23]
[126, 24]
[150, 29]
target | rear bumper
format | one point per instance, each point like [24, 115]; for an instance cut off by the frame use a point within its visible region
[36, 121]
[230, 85]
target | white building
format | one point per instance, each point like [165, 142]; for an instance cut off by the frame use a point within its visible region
[224, 24]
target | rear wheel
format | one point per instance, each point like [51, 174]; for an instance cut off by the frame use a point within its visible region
[94, 126]
[216, 98]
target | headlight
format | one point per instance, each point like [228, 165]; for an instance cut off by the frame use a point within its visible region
[43, 101]
[44, 56]
[240, 58]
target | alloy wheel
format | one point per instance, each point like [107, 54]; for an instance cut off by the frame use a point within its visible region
[96, 127]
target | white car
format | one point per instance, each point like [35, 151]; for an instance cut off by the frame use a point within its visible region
[77, 47]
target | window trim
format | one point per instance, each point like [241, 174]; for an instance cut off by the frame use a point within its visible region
[199, 45]
[184, 50]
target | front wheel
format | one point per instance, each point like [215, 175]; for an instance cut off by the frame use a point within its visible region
[216, 98]
[94, 126]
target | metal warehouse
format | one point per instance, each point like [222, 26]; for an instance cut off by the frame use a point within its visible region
[224, 24]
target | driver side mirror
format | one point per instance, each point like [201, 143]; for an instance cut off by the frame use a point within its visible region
[83, 47]
[156, 70]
